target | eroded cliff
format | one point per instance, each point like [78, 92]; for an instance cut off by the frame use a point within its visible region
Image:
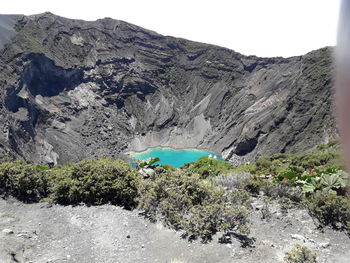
[73, 89]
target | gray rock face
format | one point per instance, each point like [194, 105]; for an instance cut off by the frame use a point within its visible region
[7, 28]
[73, 89]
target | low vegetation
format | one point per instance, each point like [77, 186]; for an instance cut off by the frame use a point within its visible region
[208, 167]
[314, 180]
[201, 198]
[23, 181]
[301, 254]
[330, 209]
[90, 181]
[323, 157]
[186, 202]
[94, 182]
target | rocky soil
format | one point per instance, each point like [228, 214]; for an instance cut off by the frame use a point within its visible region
[52, 233]
[72, 89]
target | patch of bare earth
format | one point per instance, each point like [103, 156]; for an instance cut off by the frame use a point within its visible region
[41, 233]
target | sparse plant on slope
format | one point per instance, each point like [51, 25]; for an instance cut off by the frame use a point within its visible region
[233, 180]
[330, 209]
[265, 211]
[301, 254]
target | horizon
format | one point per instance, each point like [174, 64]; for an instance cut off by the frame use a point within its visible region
[315, 28]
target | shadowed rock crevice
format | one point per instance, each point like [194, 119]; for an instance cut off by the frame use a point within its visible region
[245, 146]
[42, 77]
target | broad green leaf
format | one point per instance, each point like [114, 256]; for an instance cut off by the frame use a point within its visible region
[308, 188]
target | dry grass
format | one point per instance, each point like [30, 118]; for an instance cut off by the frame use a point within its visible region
[235, 180]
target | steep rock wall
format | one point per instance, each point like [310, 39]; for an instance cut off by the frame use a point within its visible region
[73, 89]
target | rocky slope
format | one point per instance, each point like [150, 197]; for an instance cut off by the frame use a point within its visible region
[73, 89]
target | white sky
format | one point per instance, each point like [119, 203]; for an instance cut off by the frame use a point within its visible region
[252, 27]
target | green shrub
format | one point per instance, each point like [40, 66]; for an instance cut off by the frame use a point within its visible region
[323, 157]
[330, 209]
[170, 194]
[300, 254]
[196, 206]
[264, 165]
[248, 168]
[313, 160]
[257, 184]
[281, 190]
[208, 167]
[278, 156]
[330, 145]
[149, 163]
[292, 177]
[23, 181]
[42, 167]
[329, 181]
[5, 159]
[284, 190]
[208, 219]
[168, 167]
[94, 182]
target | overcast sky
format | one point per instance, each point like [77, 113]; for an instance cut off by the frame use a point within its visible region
[252, 27]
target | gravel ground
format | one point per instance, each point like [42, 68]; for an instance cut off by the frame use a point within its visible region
[41, 233]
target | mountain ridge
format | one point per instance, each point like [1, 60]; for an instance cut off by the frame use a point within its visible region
[73, 89]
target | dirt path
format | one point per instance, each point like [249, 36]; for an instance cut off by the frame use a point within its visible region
[93, 234]
[44, 233]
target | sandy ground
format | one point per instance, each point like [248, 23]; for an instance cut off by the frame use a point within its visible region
[41, 233]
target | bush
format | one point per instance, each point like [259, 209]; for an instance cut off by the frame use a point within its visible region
[284, 190]
[5, 159]
[264, 164]
[168, 167]
[208, 167]
[208, 219]
[23, 181]
[325, 156]
[187, 202]
[235, 180]
[331, 145]
[257, 184]
[94, 182]
[149, 163]
[330, 209]
[301, 254]
[312, 160]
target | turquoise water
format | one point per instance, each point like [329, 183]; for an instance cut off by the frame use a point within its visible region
[171, 156]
